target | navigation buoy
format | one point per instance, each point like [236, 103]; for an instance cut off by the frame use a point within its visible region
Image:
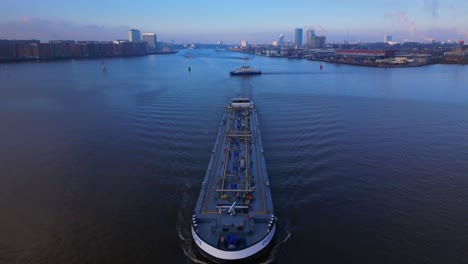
[104, 69]
[321, 67]
[189, 69]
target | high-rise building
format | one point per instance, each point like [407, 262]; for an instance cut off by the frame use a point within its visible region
[387, 38]
[151, 39]
[298, 37]
[309, 33]
[280, 40]
[316, 42]
[134, 35]
[313, 41]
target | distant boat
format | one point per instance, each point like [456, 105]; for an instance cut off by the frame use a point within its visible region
[167, 52]
[188, 56]
[245, 58]
[245, 70]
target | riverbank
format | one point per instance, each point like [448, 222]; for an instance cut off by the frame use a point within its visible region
[16, 60]
[397, 62]
[377, 65]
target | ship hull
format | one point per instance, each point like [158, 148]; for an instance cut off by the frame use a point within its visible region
[234, 218]
[246, 73]
[251, 253]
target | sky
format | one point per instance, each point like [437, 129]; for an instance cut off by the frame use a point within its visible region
[231, 21]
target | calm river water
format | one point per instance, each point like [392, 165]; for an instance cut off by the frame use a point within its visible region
[367, 165]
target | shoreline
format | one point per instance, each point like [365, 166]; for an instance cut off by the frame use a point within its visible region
[19, 60]
[379, 65]
[370, 64]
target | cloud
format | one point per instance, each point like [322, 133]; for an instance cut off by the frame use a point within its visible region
[318, 30]
[59, 29]
[463, 34]
[440, 34]
[401, 19]
[45, 30]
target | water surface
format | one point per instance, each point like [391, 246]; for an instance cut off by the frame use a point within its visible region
[367, 165]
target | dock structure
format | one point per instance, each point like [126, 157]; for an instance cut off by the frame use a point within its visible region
[233, 218]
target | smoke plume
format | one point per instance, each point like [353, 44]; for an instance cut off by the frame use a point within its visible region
[401, 19]
[432, 6]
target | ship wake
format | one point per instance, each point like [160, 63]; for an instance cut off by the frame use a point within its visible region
[281, 238]
[183, 225]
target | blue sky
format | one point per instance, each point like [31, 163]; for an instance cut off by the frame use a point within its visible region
[257, 21]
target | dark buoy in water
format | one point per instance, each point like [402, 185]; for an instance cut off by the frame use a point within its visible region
[321, 67]
[189, 69]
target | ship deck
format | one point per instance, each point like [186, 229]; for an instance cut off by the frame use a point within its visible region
[234, 209]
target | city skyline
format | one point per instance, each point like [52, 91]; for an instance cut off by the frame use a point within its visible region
[231, 22]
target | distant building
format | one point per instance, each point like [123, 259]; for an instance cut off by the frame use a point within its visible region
[280, 40]
[15, 50]
[244, 43]
[119, 41]
[317, 42]
[272, 53]
[62, 41]
[7, 50]
[26, 51]
[45, 51]
[132, 48]
[298, 37]
[365, 53]
[151, 39]
[387, 38]
[309, 33]
[18, 49]
[313, 41]
[286, 51]
[134, 35]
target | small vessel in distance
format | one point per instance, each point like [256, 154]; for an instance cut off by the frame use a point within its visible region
[164, 52]
[245, 70]
[233, 219]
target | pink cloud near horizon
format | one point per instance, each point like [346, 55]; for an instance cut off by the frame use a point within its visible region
[45, 30]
